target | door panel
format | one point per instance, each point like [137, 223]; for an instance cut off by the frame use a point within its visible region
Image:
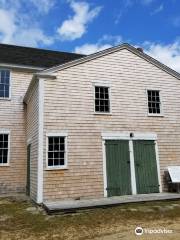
[28, 169]
[118, 168]
[145, 166]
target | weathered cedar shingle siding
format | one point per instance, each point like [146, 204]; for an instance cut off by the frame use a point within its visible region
[32, 110]
[13, 177]
[69, 105]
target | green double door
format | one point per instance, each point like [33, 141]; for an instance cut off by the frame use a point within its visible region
[118, 168]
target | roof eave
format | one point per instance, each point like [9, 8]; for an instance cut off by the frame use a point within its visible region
[44, 75]
[21, 67]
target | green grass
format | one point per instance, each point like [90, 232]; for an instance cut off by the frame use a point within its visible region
[18, 223]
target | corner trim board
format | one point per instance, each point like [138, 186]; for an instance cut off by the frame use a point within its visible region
[158, 167]
[104, 167]
[40, 140]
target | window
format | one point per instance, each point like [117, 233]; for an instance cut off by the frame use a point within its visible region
[4, 149]
[154, 104]
[4, 83]
[57, 151]
[102, 102]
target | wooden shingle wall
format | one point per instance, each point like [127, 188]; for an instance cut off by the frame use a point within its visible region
[69, 106]
[12, 118]
[32, 113]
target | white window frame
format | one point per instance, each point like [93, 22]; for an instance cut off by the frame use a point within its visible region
[102, 84]
[57, 134]
[9, 98]
[8, 159]
[161, 114]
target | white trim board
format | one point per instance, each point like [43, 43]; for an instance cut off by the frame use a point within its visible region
[126, 136]
[132, 168]
[40, 141]
[6, 65]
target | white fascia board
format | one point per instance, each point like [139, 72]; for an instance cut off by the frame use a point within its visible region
[8, 65]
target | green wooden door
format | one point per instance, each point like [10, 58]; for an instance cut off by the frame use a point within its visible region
[145, 166]
[118, 168]
[28, 169]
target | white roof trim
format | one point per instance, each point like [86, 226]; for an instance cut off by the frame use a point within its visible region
[8, 65]
[106, 52]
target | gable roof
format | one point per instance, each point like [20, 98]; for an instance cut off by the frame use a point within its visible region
[106, 52]
[34, 57]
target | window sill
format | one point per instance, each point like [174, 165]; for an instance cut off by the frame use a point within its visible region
[4, 165]
[5, 99]
[56, 168]
[99, 113]
[155, 115]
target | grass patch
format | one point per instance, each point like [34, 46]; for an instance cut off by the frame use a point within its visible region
[21, 220]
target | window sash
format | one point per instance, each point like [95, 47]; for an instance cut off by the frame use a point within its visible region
[4, 83]
[102, 100]
[154, 102]
[56, 152]
[4, 148]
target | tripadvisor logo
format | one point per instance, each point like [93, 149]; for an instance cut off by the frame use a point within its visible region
[139, 231]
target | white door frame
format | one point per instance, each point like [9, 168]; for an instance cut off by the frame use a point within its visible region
[130, 137]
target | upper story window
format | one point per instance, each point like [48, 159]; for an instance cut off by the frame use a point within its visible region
[154, 103]
[4, 148]
[4, 83]
[57, 153]
[102, 100]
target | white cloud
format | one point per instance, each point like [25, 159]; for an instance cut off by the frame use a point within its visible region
[91, 48]
[113, 39]
[158, 9]
[105, 42]
[31, 37]
[43, 6]
[19, 28]
[75, 27]
[168, 54]
[7, 25]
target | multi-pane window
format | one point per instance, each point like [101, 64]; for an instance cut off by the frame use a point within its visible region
[4, 148]
[154, 103]
[56, 151]
[102, 102]
[4, 83]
